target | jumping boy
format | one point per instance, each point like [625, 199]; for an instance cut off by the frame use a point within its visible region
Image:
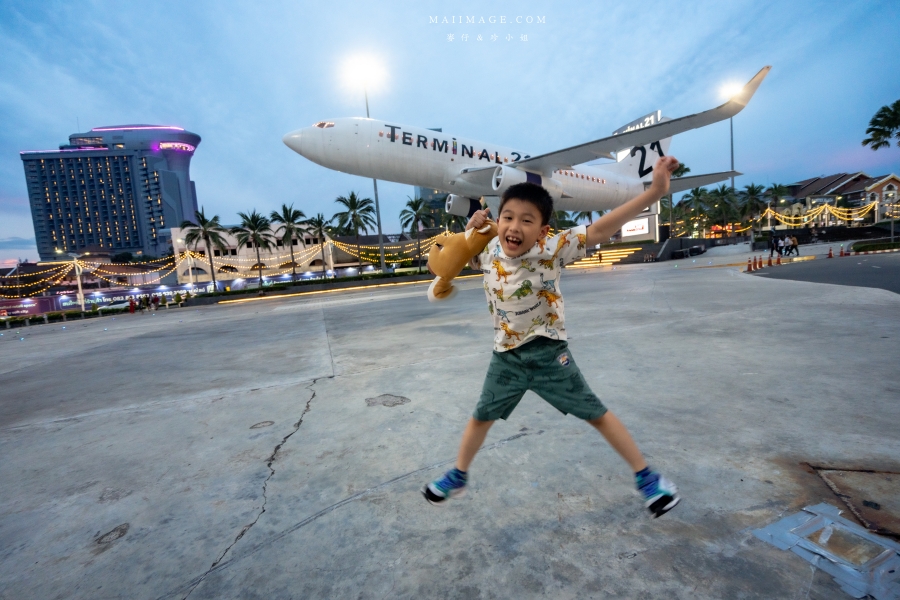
[521, 276]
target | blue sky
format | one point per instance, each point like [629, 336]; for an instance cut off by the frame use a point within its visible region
[242, 74]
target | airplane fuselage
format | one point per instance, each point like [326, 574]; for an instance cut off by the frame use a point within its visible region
[417, 156]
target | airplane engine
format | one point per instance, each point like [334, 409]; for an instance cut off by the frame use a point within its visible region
[460, 206]
[505, 177]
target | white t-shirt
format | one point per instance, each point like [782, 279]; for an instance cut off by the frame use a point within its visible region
[523, 293]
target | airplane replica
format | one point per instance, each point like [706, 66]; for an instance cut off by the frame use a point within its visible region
[472, 171]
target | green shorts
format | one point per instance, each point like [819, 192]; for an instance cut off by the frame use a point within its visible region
[544, 366]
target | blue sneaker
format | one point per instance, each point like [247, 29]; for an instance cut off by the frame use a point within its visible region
[451, 485]
[660, 494]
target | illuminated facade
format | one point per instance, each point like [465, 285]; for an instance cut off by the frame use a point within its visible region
[112, 189]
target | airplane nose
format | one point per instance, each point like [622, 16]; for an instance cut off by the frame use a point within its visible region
[292, 140]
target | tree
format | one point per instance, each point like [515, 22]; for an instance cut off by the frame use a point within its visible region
[751, 201]
[452, 222]
[255, 229]
[210, 232]
[722, 199]
[560, 220]
[883, 126]
[774, 193]
[668, 201]
[319, 227]
[586, 215]
[693, 205]
[290, 221]
[359, 214]
[416, 212]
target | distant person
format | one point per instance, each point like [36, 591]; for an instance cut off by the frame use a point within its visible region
[530, 348]
[795, 245]
[773, 245]
[813, 236]
[131, 305]
[780, 246]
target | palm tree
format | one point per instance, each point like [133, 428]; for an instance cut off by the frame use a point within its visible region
[416, 212]
[255, 229]
[723, 199]
[774, 193]
[290, 222]
[560, 220]
[452, 222]
[679, 171]
[319, 227]
[883, 126]
[693, 204]
[360, 214]
[208, 230]
[751, 201]
[586, 215]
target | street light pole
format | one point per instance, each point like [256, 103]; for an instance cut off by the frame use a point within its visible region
[190, 260]
[731, 127]
[78, 271]
[377, 208]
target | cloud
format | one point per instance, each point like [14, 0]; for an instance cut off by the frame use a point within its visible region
[17, 243]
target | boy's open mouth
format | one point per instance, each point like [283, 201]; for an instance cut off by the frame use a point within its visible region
[513, 242]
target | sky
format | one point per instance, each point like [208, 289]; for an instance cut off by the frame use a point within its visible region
[242, 74]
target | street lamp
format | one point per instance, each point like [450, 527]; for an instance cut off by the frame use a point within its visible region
[190, 259]
[367, 71]
[728, 92]
[78, 271]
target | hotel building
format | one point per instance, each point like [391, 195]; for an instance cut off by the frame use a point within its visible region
[112, 189]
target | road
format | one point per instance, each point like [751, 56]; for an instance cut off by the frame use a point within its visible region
[872, 270]
[247, 451]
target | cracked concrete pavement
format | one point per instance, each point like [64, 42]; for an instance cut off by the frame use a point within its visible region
[163, 423]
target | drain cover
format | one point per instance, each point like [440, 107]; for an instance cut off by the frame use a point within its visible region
[861, 562]
[872, 496]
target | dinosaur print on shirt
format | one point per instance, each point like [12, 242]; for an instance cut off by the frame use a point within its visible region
[524, 292]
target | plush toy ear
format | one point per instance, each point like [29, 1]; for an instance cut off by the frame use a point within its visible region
[440, 289]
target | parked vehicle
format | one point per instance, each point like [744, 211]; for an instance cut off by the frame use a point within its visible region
[114, 306]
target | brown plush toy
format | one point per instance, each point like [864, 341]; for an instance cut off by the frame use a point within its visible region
[451, 254]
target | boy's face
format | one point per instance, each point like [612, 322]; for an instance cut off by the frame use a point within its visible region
[519, 227]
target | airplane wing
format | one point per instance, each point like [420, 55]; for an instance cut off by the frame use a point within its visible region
[546, 164]
[680, 184]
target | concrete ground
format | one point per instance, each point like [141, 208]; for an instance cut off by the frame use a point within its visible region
[244, 451]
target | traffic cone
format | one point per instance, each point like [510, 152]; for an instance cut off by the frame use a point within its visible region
[770, 260]
[842, 251]
[830, 253]
[756, 265]
[749, 266]
[778, 260]
[761, 265]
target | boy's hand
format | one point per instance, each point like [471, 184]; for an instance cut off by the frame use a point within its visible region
[478, 219]
[662, 173]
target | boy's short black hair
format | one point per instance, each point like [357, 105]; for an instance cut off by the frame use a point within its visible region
[533, 193]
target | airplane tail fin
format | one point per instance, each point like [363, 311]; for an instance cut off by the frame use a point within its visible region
[638, 161]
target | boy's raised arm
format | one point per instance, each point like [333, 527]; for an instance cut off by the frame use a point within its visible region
[604, 227]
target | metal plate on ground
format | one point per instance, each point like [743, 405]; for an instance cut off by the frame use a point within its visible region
[861, 562]
[872, 496]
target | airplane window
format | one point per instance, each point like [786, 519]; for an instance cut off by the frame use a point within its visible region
[324, 124]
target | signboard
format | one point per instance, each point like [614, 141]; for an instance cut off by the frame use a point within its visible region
[636, 227]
